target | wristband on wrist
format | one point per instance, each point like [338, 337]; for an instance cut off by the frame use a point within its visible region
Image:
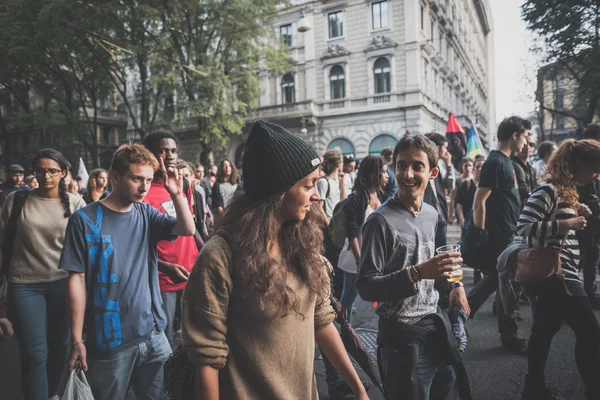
[454, 285]
[416, 267]
[75, 343]
[411, 275]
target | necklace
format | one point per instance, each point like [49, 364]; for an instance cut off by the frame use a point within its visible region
[415, 213]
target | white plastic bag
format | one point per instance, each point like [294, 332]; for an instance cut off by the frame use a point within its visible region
[78, 387]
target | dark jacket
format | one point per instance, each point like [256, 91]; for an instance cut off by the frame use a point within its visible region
[392, 186]
[525, 178]
[437, 199]
[590, 196]
[354, 210]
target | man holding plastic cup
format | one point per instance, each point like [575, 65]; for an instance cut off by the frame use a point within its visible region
[417, 351]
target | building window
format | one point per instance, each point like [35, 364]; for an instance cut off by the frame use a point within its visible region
[288, 89]
[432, 30]
[560, 122]
[380, 143]
[286, 34]
[107, 135]
[379, 11]
[560, 81]
[336, 24]
[422, 18]
[337, 81]
[426, 74]
[382, 74]
[343, 146]
[441, 44]
[559, 101]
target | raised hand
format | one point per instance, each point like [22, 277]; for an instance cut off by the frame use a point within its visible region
[172, 181]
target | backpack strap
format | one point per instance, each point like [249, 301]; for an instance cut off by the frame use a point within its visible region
[20, 196]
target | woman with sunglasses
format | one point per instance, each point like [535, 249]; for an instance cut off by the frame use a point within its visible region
[37, 289]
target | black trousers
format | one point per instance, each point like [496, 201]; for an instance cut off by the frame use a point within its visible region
[479, 294]
[577, 312]
[589, 244]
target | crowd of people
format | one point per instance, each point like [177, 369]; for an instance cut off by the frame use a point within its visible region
[239, 265]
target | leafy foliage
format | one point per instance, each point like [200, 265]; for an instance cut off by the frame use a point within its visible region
[570, 31]
[183, 63]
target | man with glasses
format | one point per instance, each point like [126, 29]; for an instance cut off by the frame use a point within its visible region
[15, 176]
[523, 170]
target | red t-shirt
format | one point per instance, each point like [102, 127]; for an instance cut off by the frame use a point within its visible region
[182, 251]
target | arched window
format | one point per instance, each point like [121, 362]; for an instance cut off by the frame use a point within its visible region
[343, 145]
[382, 74]
[288, 89]
[337, 82]
[380, 143]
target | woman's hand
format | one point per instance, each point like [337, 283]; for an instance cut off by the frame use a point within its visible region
[584, 211]
[439, 266]
[6, 329]
[577, 223]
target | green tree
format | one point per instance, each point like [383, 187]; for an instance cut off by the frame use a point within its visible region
[220, 47]
[570, 33]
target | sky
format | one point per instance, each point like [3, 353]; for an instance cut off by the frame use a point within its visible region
[515, 66]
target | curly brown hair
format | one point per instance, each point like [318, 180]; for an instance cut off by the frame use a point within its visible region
[253, 226]
[563, 164]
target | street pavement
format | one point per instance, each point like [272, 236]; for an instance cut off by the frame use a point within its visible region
[494, 373]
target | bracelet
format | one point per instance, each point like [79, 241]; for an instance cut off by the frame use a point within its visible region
[414, 274]
[77, 342]
[454, 285]
[418, 272]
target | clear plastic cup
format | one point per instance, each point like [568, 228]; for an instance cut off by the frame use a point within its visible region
[456, 275]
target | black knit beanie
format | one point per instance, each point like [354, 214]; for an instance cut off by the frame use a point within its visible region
[275, 159]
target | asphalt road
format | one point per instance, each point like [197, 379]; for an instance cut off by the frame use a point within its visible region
[494, 373]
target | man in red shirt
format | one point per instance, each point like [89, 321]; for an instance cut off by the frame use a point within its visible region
[175, 259]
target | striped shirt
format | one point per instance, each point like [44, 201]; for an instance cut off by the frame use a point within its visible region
[539, 223]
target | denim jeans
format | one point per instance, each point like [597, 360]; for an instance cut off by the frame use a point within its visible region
[349, 293]
[140, 366]
[41, 322]
[170, 300]
[429, 378]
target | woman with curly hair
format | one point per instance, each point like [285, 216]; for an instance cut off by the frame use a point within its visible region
[258, 296]
[96, 187]
[550, 218]
[37, 289]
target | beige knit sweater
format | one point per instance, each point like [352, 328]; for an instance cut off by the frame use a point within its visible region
[40, 237]
[261, 354]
